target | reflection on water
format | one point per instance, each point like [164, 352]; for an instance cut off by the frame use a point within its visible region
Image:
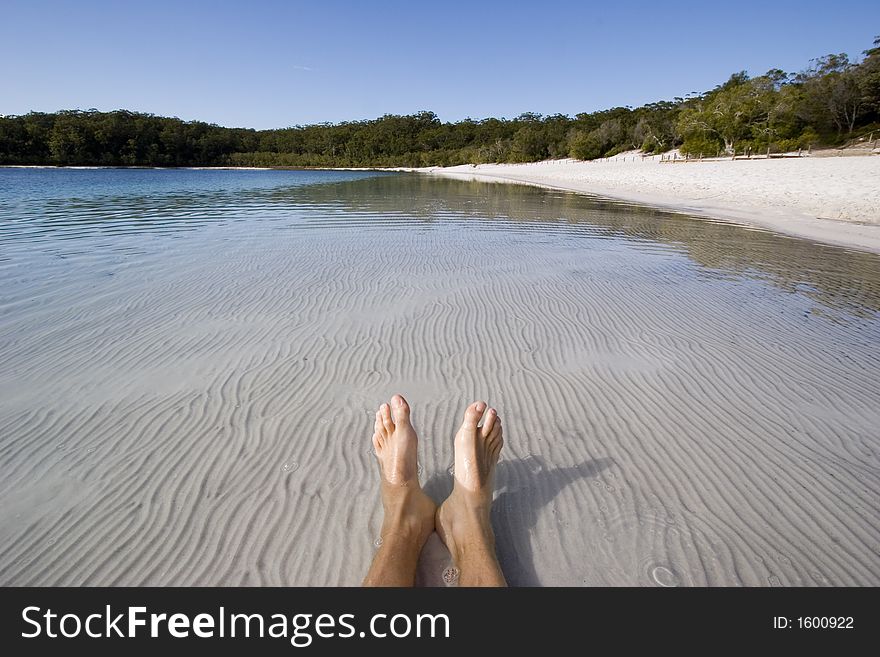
[47, 209]
[843, 279]
[78, 203]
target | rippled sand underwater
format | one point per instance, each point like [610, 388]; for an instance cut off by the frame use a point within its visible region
[190, 360]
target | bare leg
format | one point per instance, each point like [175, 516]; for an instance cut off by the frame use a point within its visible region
[409, 513]
[463, 518]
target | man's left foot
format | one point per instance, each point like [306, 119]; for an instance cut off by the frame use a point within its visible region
[408, 511]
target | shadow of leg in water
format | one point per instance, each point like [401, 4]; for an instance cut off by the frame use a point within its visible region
[526, 486]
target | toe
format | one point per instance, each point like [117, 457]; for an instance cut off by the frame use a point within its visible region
[489, 422]
[495, 439]
[473, 414]
[385, 414]
[378, 427]
[400, 409]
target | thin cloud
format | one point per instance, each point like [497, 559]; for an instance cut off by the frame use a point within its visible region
[303, 68]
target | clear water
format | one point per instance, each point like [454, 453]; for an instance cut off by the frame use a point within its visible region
[119, 216]
[642, 361]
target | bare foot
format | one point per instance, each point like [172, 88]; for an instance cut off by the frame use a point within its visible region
[463, 519]
[408, 511]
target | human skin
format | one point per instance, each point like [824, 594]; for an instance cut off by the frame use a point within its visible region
[410, 516]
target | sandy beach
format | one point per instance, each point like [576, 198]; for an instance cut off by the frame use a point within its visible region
[835, 200]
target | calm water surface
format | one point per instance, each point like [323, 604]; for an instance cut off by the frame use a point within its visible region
[689, 402]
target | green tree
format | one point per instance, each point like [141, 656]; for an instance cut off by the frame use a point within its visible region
[832, 95]
[67, 139]
[585, 145]
[829, 100]
[868, 76]
[731, 113]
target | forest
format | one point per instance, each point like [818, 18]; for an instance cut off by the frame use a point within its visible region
[831, 102]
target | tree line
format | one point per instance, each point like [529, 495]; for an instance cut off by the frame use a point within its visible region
[828, 103]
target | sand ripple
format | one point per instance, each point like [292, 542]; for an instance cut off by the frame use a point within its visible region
[686, 403]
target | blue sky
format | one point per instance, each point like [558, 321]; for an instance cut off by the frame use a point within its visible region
[268, 64]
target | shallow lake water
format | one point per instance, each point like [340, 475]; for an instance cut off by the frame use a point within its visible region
[190, 361]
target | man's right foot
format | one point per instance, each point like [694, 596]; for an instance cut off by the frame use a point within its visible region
[462, 520]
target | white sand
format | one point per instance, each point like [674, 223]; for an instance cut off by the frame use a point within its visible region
[835, 200]
[696, 405]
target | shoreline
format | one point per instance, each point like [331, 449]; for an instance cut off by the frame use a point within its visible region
[780, 199]
[130, 166]
[776, 194]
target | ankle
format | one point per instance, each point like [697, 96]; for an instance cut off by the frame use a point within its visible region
[407, 518]
[472, 548]
[405, 531]
[471, 512]
[469, 534]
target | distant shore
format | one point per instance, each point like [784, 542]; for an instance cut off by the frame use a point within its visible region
[834, 200]
[137, 166]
